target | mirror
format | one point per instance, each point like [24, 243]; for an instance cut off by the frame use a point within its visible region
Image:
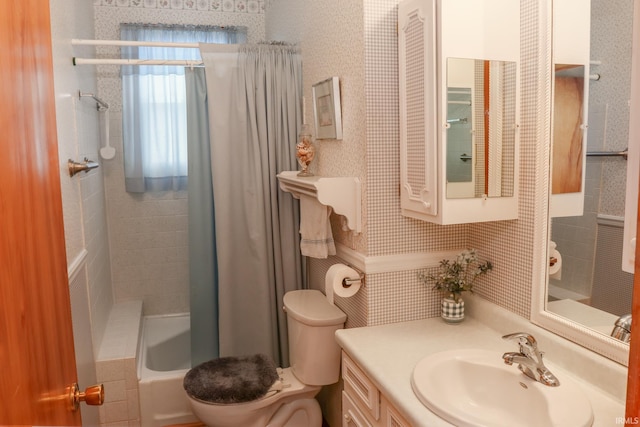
[481, 130]
[586, 288]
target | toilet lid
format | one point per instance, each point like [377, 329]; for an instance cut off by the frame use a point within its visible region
[231, 379]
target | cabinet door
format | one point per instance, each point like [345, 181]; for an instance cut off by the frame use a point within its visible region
[448, 173]
[418, 108]
[351, 415]
[391, 417]
[360, 387]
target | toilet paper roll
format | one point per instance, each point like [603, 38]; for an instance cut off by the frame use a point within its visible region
[334, 282]
[555, 270]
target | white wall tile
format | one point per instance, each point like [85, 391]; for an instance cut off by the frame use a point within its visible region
[115, 411]
[83, 195]
[110, 370]
[114, 391]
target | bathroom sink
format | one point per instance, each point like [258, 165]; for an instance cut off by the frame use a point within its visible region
[476, 388]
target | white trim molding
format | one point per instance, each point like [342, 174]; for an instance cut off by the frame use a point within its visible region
[76, 265]
[395, 262]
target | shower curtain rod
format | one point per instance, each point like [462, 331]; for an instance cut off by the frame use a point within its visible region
[106, 61]
[175, 62]
[86, 42]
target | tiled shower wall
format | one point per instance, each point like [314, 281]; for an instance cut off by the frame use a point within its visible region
[397, 296]
[148, 232]
[83, 198]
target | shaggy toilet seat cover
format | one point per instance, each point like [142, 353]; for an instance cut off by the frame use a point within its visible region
[231, 379]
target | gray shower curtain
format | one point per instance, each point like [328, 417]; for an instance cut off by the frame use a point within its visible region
[203, 277]
[254, 110]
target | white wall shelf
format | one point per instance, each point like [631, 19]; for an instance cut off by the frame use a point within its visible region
[343, 194]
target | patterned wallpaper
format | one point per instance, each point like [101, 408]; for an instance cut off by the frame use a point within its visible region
[609, 130]
[238, 6]
[397, 295]
[510, 244]
[331, 36]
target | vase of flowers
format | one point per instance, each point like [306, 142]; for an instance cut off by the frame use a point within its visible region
[454, 278]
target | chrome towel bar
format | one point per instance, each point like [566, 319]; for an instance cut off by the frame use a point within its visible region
[622, 154]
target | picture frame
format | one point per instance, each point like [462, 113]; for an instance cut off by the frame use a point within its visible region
[327, 112]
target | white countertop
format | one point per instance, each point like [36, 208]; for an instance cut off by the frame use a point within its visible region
[388, 353]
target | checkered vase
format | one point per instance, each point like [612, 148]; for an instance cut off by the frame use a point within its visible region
[452, 312]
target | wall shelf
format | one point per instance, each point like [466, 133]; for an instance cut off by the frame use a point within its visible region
[343, 194]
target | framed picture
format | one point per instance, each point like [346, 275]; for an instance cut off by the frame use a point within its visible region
[326, 109]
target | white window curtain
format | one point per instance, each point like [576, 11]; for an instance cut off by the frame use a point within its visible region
[154, 122]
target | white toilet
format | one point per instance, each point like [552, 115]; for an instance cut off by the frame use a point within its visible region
[315, 361]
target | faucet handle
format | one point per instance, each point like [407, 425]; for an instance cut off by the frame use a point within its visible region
[524, 339]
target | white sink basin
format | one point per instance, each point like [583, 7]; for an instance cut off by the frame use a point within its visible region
[476, 388]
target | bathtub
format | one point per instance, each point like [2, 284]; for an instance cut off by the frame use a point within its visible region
[163, 360]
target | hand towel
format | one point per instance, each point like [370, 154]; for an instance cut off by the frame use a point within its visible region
[315, 229]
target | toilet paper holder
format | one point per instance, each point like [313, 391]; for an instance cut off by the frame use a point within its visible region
[348, 281]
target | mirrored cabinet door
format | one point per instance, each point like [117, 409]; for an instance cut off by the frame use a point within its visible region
[459, 109]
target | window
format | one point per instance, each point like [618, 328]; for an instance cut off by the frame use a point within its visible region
[154, 122]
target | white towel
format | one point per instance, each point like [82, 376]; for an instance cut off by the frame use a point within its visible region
[315, 229]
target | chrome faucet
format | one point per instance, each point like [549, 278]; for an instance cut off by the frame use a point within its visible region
[622, 328]
[529, 359]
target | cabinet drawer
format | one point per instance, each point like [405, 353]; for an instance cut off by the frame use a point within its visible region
[351, 415]
[359, 387]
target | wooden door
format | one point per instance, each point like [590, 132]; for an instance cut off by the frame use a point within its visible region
[632, 410]
[36, 338]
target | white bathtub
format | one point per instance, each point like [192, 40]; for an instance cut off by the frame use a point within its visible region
[164, 359]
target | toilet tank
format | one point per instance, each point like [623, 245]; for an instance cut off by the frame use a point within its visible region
[312, 321]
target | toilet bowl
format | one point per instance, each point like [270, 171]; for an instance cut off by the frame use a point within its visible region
[315, 361]
[292, 406]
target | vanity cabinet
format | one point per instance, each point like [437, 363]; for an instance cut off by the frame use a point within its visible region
[459, 90]
[362, 403]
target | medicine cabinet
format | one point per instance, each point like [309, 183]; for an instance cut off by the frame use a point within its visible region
[459, 109]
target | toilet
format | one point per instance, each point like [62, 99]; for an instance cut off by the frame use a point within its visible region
[315, 361]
